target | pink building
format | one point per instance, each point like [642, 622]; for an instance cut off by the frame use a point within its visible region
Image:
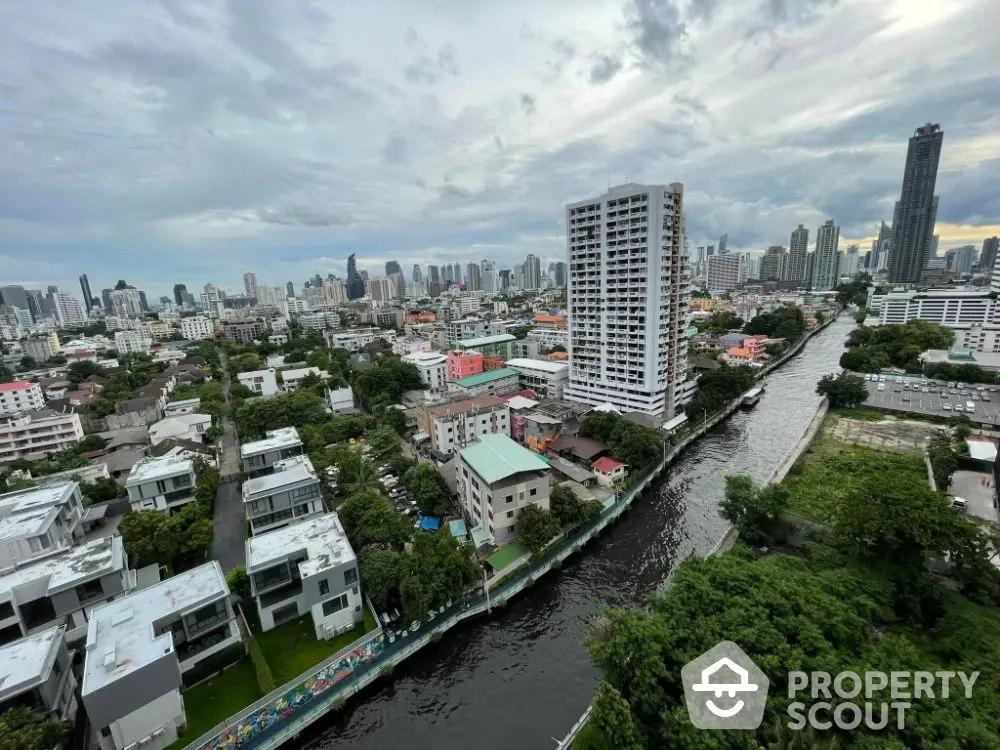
[464, 364]
[755, 344]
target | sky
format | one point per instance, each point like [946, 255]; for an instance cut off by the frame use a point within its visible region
[188, 141]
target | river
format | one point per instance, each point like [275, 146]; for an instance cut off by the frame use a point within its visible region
[522, 676]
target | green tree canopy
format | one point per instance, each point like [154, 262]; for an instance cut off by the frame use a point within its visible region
[369, 518]
[753, 510]
[23, 729]
[843, 390]
[536, 527]
[427, 486]
[570, 510]
[295, 409]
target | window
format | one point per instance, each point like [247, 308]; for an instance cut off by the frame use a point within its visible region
[324, 587]
[533, 492]
[509, 499]
[334, 605]
[511, 529]
[350, 576]
[510, 514]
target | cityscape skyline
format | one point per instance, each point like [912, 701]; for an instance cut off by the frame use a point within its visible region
[434, 166]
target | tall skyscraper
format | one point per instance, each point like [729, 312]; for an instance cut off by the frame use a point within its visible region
[504, 277]
[475, 278]
[392, 268]
[180, 290]
[532, 272]
[66, 309]
[963, 259]
[88, 298]
[456, 273]
[418, 276]
[882, 248]
[723, 244]
[433, 276]
[826, 262]
[560, 280]
[627, 302]
[850, 262]
[518, 276]
[447, 276]
[355, 284]
[913, 219]
[143, 302]
[727, 272]
[798, 250]
[988, 255]
[289, 290]
[489, 276]
[108, 304]
[774, 264]
[15, 296]
[250, 284]
[709, 251]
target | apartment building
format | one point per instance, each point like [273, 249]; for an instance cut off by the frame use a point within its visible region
[726, 272]
[453, 425]
[20, 396]
[433, 368]
[197, 328]
[139, 646]
[628, 292]
[34, 435]
[180, 427]
[356, 339]
[39, 520]
[496, 479]
[246, 331]
[161, 483]
[550, 337]
[545, 378]
[503, 345]
[37, 672]
[132, 342]
[411, 345]
[308, 568]
[464, 364]
[470, 328]
[490, 383]
[260, 456]
[59, 587]
[288, 495]
[261, 382]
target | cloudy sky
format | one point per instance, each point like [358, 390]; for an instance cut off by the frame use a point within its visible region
[166, 141]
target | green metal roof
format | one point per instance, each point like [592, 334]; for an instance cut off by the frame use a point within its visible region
[495, 457]
[500, 338]
[505, 556]
[486, 377]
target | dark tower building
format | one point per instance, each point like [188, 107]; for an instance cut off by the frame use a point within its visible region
[355, 284]
[392, 268]
[913, 219]
[88, 298]
[106, 300]
[180, 292]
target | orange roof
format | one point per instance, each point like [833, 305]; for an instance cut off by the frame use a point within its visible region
[558, 355]
[739, 351]
[544, 318]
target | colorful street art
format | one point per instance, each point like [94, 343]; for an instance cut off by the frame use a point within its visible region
[284, 707]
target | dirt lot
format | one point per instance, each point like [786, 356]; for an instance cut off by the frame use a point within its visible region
[897, 435]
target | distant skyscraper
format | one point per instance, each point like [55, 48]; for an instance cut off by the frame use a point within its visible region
[489, 276]
[532, 272]
[355, 284]
[723, 244]
[709, 251]
[798, 251]
[180, 290]
[988, 255]
[418, 276]
[392, 268]
[143, 302]
[774, 264]
[108, 304]
[475, 276]
[560, 279]
[518, 276]
[826, 265]
[448, 276]
[14, 296]
[504, 276]
[433, 277]
[913, 219]
[250, 284]
[851, 262]
[726, 272]
[290, 289]
[88, 298]
[963, 259]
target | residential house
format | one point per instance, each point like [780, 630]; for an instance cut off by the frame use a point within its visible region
[260, 456]
[34, 435]
[165, 483]
[306, 568]
[184, 406]
[139, 646]
[491, 383]
[261, 382]
[432, 367]
[581, 450]
[39, 520]
[291, 493]
[453, 425]
[609, 473]
[183, 427]
[290, 379]
[737, 356]
[341, 401]
[60, 587]
[36, 672]
[496, 479]
[411, 345]
[190, 449]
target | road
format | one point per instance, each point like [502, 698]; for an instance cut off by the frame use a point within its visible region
[227, 545]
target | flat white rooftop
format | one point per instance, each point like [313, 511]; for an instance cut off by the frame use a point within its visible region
[286, 437]
[322, 538]
[26, 662]
[520, 402]
[120, 634]
[67, 567]
[287, 472]
[301, 372]
[184, 402]
[425, 358]
[163, 467]
[35, 497]
[544, 365]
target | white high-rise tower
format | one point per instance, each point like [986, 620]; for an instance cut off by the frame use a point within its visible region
[628, 299]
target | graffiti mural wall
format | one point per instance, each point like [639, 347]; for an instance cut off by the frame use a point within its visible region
[302, 695]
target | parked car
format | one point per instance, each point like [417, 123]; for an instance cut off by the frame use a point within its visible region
[946, 407]
[959, 503]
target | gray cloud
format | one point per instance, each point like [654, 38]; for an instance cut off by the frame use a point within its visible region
[528, 104]
[395, 150]
[301, 216]
[430, 70]
[656, 29]
[605, 68]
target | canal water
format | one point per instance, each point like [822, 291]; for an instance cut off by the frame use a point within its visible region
[522, 677]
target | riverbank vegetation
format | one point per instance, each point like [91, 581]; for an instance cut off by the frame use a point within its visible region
[843, 390]
[637, 446]
[717, 388]
[874, 349]
[784, 323]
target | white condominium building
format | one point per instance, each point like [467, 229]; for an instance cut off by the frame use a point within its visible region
[20, 395]
[31, 436]
[628, 298]
[197, 327]
[726, 272]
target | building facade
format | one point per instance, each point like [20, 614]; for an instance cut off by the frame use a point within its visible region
[916, 211]
[260, 456]
[20, 396]
[32, 436]
[826, 262]
[433, 368]
[197, 328]
[288, 495]
[164, 484]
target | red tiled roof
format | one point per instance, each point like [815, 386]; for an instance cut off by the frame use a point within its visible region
[607, 465]
[17, 385]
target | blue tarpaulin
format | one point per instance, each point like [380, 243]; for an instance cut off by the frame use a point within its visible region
[430, 523]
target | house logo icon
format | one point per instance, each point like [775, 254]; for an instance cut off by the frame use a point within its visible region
[724, 689]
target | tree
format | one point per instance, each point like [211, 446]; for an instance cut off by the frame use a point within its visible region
[101, 490]
[358, 474]
[27, 363]
[381, 571]
[91, 443]
[536, 527]
[843, 390]
[611, 725]
[570, 510]
[427, 486]
[754, 511]
[369, 518]
[943, 460]
[6, 376]
[383, 442]
[79, 371]
[437, 570]
[239, 582]
[296, 409]
[599, 425]
[138, 530]
[23, 729]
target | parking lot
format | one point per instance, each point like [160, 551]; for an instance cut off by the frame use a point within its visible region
[908, 394]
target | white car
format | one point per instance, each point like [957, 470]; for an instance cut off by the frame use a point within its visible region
[959, 503]
[946, 407]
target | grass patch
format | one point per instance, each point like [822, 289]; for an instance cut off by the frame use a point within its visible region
[866, 415]
[830, 470]
[292, 648]
[212, 702]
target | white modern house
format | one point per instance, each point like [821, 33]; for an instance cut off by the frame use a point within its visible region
[37, 672]
[261, 382]
[38, 521]
[138, 647]
[290, 379]
[433, 368]
[547, 379]
[163, 484]
[306, 568]
[341, 400]
[184, 406]
[260, 456]
[181, 427]
[288, 495]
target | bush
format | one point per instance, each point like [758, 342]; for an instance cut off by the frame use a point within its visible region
[265, 680]
[213, 664]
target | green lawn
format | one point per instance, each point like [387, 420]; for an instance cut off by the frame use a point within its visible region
[212, 702]
[292, 648]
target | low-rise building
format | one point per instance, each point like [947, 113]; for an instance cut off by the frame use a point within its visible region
[132, 342]
[139, 646]
[184, 406]
[500, 345]
[197, 328]
[37, 672]
[609, 473]
[451, 426]
[356, 339]
[39, 520]
[191, 449]
[181, 427]
[306, 568]
[261, 382]
[288, 495]
[260, 456]
[34, 435]
[411, 345]
[245, 331]
[496, 479]
[341, 400]
[549, 337]
[464, 364]
[20, 396]
[290, 379]
[547, 379]
[59, 588]
[432, 366]
[163, 484]
[490, 383]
